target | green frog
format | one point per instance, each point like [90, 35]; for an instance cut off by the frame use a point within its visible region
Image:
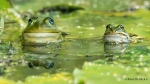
[117, 34]
[45, 32]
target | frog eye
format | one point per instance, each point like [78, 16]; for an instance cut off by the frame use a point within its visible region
[51, 21]
[33, 20]
[122, 27]
[108, 26]
[30, 21]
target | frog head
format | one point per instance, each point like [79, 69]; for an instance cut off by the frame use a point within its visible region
[115, 34]
[41, 32]
[111, 29]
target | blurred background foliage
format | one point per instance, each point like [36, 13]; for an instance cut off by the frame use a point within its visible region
[95, 5]
[4, 4]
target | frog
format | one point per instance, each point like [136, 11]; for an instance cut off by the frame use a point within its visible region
[118, 34]
[41, 32]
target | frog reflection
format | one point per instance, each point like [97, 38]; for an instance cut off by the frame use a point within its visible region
[115, 49]
[40, 55]
[47, 63]
[53, 48]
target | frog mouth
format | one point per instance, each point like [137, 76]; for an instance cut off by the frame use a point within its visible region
[42, 37]
[112, 33]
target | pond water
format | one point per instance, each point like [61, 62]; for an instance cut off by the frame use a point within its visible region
[83, 44]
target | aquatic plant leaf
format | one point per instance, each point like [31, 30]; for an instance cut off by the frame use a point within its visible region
[5, 81]
[60, 78]
[92, 73]
[4, 4]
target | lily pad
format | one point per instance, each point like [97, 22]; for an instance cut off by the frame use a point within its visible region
[115, 73]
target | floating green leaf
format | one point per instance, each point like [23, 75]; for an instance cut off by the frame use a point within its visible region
[4, 4]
